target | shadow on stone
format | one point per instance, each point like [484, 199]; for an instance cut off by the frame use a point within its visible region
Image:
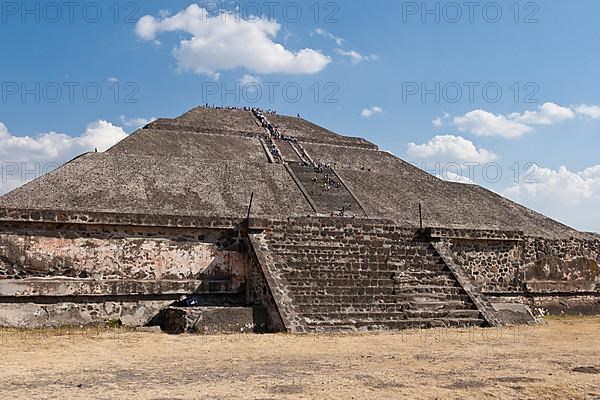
[211, 320]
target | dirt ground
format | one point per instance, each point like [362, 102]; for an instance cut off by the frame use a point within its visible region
[559, 359]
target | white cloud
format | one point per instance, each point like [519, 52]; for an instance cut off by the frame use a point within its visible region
[483, 123]
[113, 79]
[100, 135]
[449, 148]
[355, 57]
[226, 42]
[135, 122]
[322, 32]
[250, 80]
[514, 125]
[590, 111]
[369, 112]
[547, 114]
[456, 178]
[568, 196]
[31, 155]
[566, 187]
[439, 122]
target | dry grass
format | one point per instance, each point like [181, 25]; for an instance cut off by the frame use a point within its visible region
[526, 362]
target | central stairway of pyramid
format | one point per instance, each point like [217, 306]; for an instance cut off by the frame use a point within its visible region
[336, 276]
[327, 191]
[318, 181]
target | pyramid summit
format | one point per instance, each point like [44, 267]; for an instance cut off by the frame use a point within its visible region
[262, 221]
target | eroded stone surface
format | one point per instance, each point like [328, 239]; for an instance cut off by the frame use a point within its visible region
[164, 214]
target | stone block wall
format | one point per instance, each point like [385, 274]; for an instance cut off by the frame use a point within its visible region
[509, 262]
[561, 265]
[109, 253]
[493, 265]
[55, 274]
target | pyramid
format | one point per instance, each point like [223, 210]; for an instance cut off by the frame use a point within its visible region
[279, 224]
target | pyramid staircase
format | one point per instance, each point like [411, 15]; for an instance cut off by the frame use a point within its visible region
[336, 278]
[327, 191]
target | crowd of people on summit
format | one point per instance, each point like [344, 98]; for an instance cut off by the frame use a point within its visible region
[320, 169]
[214, 107]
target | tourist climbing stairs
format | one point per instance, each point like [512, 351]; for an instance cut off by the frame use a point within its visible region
[327, 191]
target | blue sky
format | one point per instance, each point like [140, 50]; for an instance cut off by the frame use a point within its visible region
[160, 58]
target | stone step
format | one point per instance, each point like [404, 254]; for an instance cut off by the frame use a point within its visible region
[339, 271]
[351, 243]
[301, 298]
[373, 286]
[390, 273]
[366, 233]
[400, 308]
[352, 248]
[336, 326]
[338, 239]
[399, 239]
[354, 262]
[392, 251]
[366, 250]
[388, 315]
[342, 257]
[352, 266]
[393, 306]
[363, 229]
[312, 261]
[442, 277]
[315, 278]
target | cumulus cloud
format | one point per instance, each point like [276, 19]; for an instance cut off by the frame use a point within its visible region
[58, 146]
[440, 121]
[135, 122]
[567, 187]
[322, 32]
[569, 196]
[226, 42]
[27, 156]
[449, 148]
[355, 57]
[250, 80]
[483, 123]
[514, 125]
[588, 111]
[369, 112]
[547, 114]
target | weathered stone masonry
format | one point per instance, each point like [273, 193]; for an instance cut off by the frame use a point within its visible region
[513, 264]
[137, 269]
[156, 231]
